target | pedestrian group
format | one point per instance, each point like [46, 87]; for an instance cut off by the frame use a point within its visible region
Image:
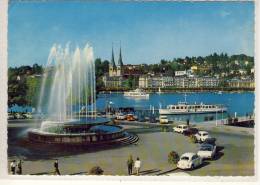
[136, 164]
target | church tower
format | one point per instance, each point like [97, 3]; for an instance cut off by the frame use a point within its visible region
[120, 67]
[112, 65]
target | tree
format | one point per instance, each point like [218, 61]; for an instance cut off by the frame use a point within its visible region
[173, 157]
[96, 170]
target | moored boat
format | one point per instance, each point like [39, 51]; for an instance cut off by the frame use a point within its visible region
[185, 108]
[138, 93]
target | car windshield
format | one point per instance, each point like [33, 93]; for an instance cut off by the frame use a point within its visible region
[206, 148]
[185, 158]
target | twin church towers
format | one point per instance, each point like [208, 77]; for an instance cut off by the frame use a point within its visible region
[116, 70]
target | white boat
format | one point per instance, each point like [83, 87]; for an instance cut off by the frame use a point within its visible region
[138, 93]
[185, 108]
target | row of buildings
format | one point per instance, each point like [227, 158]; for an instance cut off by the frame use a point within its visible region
[119, 75]
[177, 81]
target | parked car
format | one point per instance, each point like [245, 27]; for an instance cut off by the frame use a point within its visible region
[130, 117]
[11, 116]
[180, 128]
[207, 151]
[189, 161]
[18, 116]
[190, 131]
[27, 115]
[120, 117]
[202, 136]
[163, 119]
[210, 140]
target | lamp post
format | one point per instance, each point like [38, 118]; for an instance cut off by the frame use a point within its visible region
[216, 118]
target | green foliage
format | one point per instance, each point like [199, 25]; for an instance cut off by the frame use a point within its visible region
[21, 91]
[96, 170]
[33, 90]
[173, 157]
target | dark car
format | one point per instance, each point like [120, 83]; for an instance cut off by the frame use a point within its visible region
[190, 131]
[211, 141]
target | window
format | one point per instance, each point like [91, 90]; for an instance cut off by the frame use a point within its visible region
[194, 157]
[185, 158]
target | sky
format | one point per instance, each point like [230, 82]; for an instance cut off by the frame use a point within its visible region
[147, 31]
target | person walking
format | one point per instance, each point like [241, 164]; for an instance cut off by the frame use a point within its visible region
[19, 167]
[56, 167]
[130, 163]
[13, 166]
[137, 165]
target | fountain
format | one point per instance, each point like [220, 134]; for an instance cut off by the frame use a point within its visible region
[68, 99]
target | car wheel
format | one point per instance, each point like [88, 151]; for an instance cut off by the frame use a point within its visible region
[192, 167]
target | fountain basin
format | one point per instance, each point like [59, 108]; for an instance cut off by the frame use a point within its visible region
[79, 133]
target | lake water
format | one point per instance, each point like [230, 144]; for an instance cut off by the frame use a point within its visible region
[241, 103]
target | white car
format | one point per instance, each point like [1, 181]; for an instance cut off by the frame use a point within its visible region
[202, 136]
[27, 115]
[121, 117]
[163, 119]
[18, 116]
[10, 116]
[189, 161]
[180, 128]
[207, 151]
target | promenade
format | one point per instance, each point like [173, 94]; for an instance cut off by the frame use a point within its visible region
[235, 156]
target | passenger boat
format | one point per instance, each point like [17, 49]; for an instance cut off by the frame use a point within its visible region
[185, 108]
[138, 93]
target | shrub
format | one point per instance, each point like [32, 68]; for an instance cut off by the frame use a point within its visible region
[173, 157]
[96, 170]
[193, 139]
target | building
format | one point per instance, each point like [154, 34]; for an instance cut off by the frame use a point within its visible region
[245, 83]
[114, 78]
[195, 82]
[180, 73]
[188, 73]
[207, 82]
[116, 70]
[132, 70]
[167, 81]
[147, 81]
[178, 82]
[194, 69]
[113, 81]
[143, 82]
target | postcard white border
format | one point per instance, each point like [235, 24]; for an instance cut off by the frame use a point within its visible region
[27, 179]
